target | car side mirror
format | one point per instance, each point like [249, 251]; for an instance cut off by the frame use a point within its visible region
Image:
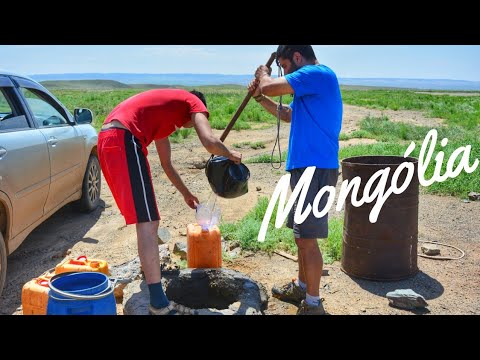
[83, 116]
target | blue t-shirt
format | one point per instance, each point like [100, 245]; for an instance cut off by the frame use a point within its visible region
[316, 118]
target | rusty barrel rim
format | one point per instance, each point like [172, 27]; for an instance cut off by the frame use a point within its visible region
[394, 160]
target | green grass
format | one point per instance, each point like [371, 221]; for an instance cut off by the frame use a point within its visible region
[180, 135]
[266, 158]
[343, 137]
[100, 102]
[382, 129]
[182, 264]
[459, 186]
[223, 102]
[456, 110]
[247, 144]
[462, 115]
[246, 231]
[332, 246]
[373, 149]
[395, 137]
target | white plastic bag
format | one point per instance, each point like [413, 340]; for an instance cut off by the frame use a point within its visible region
[208, 214]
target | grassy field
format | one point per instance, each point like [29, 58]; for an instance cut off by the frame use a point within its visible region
[246, 231]
[457, 110]
[222, 101]
[462, 114]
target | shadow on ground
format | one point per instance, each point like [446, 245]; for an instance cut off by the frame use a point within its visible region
[43, 249]
[421, 283]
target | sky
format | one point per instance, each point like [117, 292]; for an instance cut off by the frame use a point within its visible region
[454, 62]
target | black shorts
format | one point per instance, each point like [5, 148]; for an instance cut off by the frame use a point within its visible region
[312, 227]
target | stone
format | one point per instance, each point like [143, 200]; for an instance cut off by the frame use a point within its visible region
[164, 253]
[127, 272]
[474, 196]
[406, 299]
[235, 252]
[163, 235]
[180, 249]
[233, 245]
[430, 249]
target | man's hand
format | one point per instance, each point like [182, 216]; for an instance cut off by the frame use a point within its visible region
[235, 156]
[191, 200]
[262, 71]
[253, 86]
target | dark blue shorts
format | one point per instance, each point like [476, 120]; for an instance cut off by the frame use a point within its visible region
[312, 227]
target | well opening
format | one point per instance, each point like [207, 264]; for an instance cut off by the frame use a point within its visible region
[215, 289]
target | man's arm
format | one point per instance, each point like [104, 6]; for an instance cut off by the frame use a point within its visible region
[272, 87]
[268, 104]
[164, 152]
[272, 107]
[210, 141]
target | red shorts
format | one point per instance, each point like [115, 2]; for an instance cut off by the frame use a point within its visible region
[125, 167]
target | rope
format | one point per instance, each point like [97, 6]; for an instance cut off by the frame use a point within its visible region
[277, 138]
[441, 257]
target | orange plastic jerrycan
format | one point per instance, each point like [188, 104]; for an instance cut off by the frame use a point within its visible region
[35, 295]
[81, 264]
[204, 247]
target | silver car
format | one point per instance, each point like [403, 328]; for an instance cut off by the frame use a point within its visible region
[48, 158]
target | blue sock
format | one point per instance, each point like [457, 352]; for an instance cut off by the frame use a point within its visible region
[302, 285]
[158, 299]
[312, 300]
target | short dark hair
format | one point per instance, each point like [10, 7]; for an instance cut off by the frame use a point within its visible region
[200, 96]
[287, 51]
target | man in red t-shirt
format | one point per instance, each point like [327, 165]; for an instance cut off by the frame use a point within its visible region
[122, 150]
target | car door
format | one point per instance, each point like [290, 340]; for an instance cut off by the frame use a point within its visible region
[65, 143]
[24, 161]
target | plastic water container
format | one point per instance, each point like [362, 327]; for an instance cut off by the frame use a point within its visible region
[204, 247]
[81, 293]
[81, 264]
[35, 295]
[207, 215]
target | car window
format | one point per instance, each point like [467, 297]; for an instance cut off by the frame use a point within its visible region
[9, 118]
[45, 114]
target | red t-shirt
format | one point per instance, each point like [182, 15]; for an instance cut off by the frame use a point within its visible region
[155, 114]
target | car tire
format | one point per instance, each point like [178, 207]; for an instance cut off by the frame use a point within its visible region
[3, 263]
[91, 186]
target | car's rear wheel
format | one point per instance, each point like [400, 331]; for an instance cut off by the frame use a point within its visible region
[91, 185]
[3, 263]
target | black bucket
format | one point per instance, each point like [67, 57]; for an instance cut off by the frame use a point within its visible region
[227, 179]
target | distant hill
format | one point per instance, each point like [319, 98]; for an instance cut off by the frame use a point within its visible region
[84, 84]
[221, 79]
[161, 79]
[424, 84]
[95, 85]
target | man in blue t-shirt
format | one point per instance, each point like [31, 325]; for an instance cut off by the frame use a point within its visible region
[316, 119]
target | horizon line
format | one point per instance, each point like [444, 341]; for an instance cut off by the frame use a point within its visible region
[218, 74]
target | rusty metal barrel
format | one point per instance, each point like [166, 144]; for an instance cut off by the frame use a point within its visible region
[387, 249]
